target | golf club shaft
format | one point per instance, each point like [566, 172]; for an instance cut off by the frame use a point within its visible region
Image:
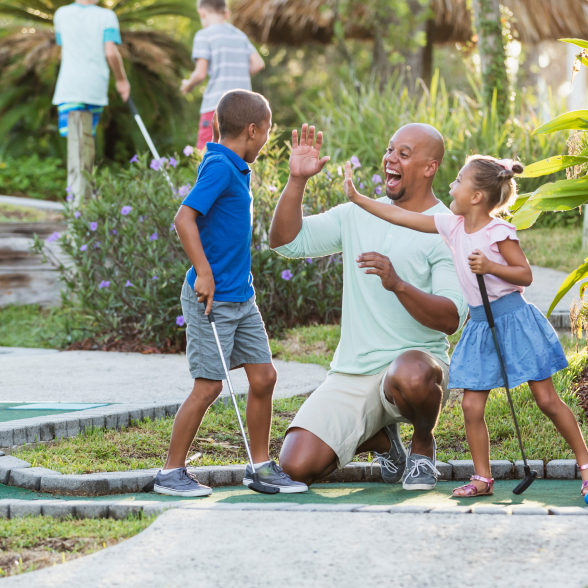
[147, 138]
[220, 351]
[490, 318]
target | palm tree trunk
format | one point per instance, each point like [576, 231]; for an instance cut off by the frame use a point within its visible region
[492, 54]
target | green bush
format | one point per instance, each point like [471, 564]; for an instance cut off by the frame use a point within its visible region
[33, 177]
[361, 121]
[127, 264]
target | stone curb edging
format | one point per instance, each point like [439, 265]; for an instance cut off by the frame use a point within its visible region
[19, 473]
[22, 432]
[12, 509]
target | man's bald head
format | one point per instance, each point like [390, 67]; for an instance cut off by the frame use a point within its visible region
[413, 156]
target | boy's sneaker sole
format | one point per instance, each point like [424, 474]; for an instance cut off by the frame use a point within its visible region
[283, 489]
[191, 493]
[418, 486]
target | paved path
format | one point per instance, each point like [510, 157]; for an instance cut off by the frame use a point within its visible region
[101, 376]
[257, 549]
[546, 283]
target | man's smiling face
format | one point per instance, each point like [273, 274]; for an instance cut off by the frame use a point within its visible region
[408, 158]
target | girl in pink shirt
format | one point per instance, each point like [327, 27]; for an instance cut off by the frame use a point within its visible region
[482, 244]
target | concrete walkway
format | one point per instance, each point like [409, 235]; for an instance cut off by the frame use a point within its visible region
[101, 376]
[257, 549]
[546, 283]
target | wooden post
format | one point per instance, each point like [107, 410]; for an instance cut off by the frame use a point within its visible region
[80, 154]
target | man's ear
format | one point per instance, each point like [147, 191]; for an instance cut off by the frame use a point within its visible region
[431, 169]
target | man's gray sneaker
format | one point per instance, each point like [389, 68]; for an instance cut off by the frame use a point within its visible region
[180, 482]
[271, 474]
[420, 473]
[392, 463]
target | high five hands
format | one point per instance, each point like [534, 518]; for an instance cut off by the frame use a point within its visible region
[348, 187]
[305, 159]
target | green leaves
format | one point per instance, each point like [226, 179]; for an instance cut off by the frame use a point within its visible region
[576, 276]
[552, 165]
[577, 42]
[575, 120]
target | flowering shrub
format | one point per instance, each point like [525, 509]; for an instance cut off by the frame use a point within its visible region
[127, 265]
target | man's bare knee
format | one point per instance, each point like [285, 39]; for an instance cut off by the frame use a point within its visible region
[206, 391]
[415, 378]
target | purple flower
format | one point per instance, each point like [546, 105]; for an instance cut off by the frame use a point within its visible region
[188, 150]
[69, 198]
[287, 275]
[329, 176]
[128, 284]
[77, 214]
[135, 159]
[97, 244]
[272, 188]
[172, 227]
[379, 190]
[183, 191]
[180, 320]
[125, 210]
[154, 278]
[355, 162]
[93, 226]
[84, 248]
[113, 232]
[103, 284]
[361, 185]
[53, 237]
[69, 189]
[309, 260]
[153, 237]
[141, 219]
[377, 179]
[173, 162]
[155, 164]
[257, 247]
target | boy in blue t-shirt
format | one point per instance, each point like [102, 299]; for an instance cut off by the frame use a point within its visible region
[214, 224]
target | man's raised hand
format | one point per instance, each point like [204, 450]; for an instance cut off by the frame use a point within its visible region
[305, 159]
[348, 186]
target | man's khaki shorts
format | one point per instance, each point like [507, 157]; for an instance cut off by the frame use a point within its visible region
[346, 410]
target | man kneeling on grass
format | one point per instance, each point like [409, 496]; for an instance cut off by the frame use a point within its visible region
[214, 225]
[401, 298]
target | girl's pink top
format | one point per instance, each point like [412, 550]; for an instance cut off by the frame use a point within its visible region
[462, 244]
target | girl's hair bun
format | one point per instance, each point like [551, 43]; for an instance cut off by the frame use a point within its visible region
[506, 174]
[517, 168]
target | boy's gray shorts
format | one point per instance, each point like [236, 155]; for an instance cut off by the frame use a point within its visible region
[240, 329]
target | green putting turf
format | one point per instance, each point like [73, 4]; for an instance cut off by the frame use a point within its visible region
[9, 414]
[541, 493]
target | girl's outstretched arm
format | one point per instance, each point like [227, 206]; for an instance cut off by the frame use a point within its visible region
[517, 272]
[393, 214]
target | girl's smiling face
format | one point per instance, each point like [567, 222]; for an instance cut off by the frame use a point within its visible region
[463, 191]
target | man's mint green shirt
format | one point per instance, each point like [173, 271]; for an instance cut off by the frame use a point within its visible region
[375, 327]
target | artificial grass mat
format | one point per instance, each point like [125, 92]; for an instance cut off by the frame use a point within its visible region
[541, 493]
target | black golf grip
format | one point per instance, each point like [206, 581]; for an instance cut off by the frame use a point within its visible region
[485, 300]
[132, 106]
[211, 316]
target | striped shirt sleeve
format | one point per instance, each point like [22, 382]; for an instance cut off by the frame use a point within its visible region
[201, 48]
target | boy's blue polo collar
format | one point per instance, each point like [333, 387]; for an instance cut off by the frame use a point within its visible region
[239, 163]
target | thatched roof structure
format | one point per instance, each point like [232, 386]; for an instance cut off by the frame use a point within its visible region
[300, 21]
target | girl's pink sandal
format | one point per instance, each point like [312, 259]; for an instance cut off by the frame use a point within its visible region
[471, 490]
[584, 489]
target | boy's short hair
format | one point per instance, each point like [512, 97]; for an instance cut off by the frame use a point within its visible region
[237, 109]
[219, 6]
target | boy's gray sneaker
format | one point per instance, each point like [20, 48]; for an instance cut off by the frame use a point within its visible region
[392, 463]
[420, 473]
[271, 474]
[179, 482]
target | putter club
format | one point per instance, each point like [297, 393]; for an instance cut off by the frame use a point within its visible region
[530, 475]
[256, 484]
[147, 137]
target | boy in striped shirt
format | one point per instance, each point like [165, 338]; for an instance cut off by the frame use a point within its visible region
[224, 54]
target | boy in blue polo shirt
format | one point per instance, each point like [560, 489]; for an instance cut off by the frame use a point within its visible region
[214, 225]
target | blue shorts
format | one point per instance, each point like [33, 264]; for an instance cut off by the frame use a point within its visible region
[64, 110]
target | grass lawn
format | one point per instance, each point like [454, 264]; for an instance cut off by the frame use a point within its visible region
[10, 213]
[144, 445]
[558, 248]
[31, 543]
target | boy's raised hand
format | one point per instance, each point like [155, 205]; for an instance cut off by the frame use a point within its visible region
[348, 187]
[305, 159]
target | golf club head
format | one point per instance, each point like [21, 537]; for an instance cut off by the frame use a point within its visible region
[529, 478]
[257, 486]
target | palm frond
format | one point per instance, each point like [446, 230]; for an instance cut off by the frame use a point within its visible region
[131, 13]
